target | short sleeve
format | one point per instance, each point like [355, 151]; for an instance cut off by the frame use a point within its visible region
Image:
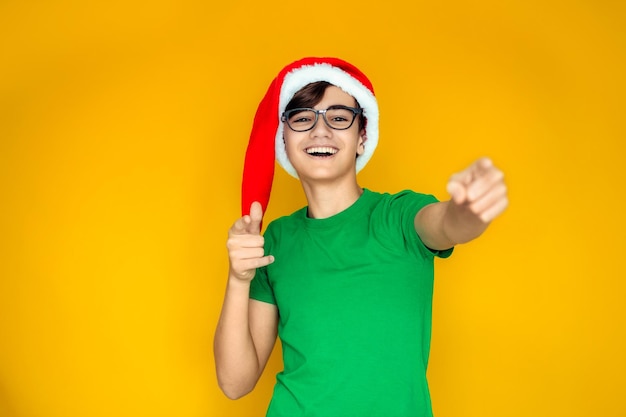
[409, 203]
[260, 288]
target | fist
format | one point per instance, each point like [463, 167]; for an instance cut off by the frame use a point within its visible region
[245, 245]
[479, 190]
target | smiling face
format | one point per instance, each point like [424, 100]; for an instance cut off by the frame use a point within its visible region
[323, 153]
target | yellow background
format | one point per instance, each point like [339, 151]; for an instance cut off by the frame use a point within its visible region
[123, 127]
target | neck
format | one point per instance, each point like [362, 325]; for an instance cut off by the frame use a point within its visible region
[326, 200]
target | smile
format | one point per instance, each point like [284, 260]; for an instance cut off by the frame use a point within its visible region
[321, 151]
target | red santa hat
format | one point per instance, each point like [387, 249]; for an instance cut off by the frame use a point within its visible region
[266, 139]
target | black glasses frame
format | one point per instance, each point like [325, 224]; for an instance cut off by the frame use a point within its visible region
[355, 111]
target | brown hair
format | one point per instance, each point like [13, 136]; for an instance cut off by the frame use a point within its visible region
[311, 94]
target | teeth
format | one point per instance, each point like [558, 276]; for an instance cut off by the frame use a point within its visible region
[321, 149]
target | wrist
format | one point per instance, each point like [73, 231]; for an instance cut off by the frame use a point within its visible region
[238, 283]
[461, 225]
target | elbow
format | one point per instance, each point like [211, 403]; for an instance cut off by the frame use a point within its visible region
[235, 378]
[233, 395]
[234, 391]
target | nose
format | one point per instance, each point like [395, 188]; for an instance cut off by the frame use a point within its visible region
[321, 127]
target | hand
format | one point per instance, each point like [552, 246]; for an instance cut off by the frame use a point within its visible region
[479, 191]
[245, 245]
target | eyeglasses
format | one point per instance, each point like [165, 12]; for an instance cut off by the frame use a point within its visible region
[336, 117]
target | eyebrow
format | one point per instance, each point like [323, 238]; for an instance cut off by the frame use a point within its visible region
[339, 106]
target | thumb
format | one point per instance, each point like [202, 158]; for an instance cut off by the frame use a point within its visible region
[256, 217]
[458, 183]
[457, 191]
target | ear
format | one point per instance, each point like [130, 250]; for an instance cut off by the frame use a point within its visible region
[360, 149]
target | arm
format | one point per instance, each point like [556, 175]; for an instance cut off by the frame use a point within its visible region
[479, 195]
[246, 331]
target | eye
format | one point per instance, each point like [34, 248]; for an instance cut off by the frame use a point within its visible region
[339, 116]
[300, 117]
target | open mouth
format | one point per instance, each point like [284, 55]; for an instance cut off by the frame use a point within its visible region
[321, 151]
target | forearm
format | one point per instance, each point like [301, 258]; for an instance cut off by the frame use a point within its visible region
[236, 359]
[460, 225]
[443, 225]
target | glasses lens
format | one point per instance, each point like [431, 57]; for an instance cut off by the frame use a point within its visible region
[301, 120]
[339, 118]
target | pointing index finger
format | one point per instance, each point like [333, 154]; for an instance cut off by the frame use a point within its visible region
[481, 167]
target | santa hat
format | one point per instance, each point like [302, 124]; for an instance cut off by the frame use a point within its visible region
[266, 139]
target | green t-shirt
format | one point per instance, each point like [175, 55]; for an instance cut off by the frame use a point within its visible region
[354, 295]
